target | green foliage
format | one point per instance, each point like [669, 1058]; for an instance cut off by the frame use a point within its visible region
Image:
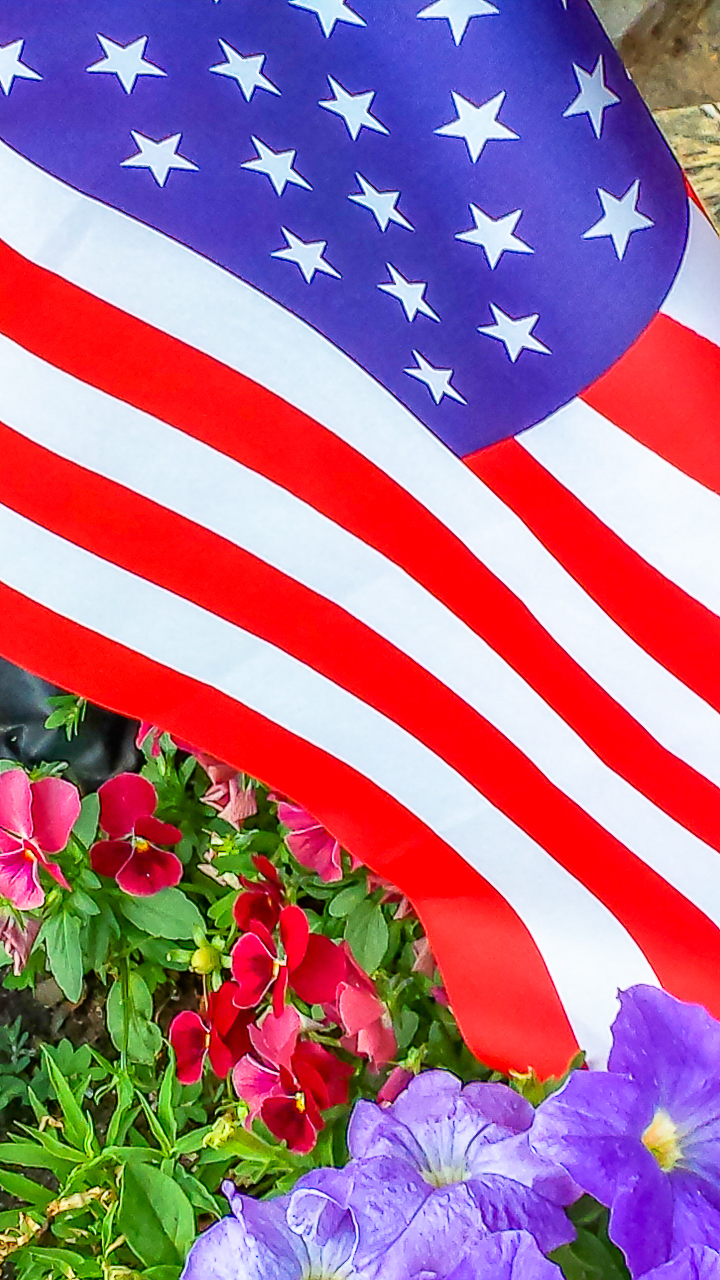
[69, 713]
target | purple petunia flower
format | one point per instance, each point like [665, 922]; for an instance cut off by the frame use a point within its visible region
[644, 1137]
[462, 1152]
[312, 1233]
[697, 1262]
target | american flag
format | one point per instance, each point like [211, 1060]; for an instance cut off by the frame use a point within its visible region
[359, 399]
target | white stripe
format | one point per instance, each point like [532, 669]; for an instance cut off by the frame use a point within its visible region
[172, 288]
[694, 299]
[589, 954]
[668, 518]
[136, 450]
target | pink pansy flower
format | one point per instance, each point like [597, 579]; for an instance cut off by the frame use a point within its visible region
[36, 818]
[310, 843]
[398, 1080]
[18, 938]
[234, 803]
[132, 855]
[147, 729]
[363, 1016]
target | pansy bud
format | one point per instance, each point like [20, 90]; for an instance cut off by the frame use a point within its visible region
[206, 959]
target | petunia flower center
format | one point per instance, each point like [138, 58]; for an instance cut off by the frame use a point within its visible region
[662, 1139]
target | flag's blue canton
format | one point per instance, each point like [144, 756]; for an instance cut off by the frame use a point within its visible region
[287, 128]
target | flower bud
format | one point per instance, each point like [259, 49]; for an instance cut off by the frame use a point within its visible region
[206, 959]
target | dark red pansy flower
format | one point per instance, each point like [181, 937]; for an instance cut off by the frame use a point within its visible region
[132, 855]
[262, 900]
[314, 965]
[222, 1036]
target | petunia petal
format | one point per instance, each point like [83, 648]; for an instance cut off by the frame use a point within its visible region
[506, 1205]
[254, 1244]
[15, 803]
[509, 1255]
[19, 880]
[148, 871]
[107, 857]
[643, 1198]
[696, 1211]
[157, 832]
[188, 1037]
[123, 800]
[55, 807]
[697, 1262]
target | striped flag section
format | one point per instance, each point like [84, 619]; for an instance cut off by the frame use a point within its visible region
[496, 680]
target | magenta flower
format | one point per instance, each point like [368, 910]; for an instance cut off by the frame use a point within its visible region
[358, 1009]
[36, 818]
[310, 843]
[644, 1137]
[132, 855]
[232, 801]
[18, 936]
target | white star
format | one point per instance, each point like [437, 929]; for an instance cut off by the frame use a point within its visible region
[516, 334]
[594, 97]
[159, 157]
[126, 61]
[329, 12]
[11, 68]
[410, 293]
[381, 204]
[277, 166]
[247, 71]
[495, 235]
[437, 381]
[354, 109]
[477, 125]
[458, 13]
[620, 218]
[307, 255]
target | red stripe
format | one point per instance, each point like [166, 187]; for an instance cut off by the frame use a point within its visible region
[194, 564]
[678, 631]
[126, 358]
[501, 992]
[664, 393]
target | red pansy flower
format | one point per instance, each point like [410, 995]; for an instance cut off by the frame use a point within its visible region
[222, 1036]
[262, 900]
[313, 967]
[132, 855]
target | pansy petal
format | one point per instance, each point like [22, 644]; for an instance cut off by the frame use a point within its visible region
[276, 1037]
[335, 1074]
[188, 1037]
[229, 1036]
[148, 871]
[295, 934]
[15, 803]
[253, 905]
[288, 1120]
[254, 1083]
[123, 800]
[107, 857]
[55, 871]
[55, 806]
[317, 978]
[252, 970]
[19, 880]
[157, 832]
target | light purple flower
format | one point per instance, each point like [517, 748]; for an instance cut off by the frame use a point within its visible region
[446, 1146]
[697, 1262]
[644, 1138]
[509, 1255]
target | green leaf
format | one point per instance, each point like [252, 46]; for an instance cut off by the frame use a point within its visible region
[76, 1128]
[61, 934]
[367, 934]
[161, 1273]
[348, 899]
[165, 1108]
[144, 1037]
[87, 822]
[125, 1094]
[99, 930]
[167, 914]
[197, 1194]
[587, 1258]
[155, 1216]
[16, 1184]
[36, 1157]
